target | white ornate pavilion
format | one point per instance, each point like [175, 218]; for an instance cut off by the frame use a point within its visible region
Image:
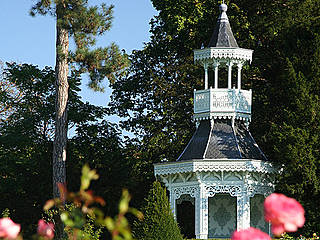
[222, 173]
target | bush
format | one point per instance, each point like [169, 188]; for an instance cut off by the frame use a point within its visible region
[158, 222]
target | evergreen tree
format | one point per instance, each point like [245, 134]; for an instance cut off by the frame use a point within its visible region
[286, 112]
[158, 222]
[295, 137]
[75, 18]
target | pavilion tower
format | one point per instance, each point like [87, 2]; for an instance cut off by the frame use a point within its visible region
[222, 173]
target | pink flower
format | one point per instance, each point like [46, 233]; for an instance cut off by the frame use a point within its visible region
[45, 229]
[250, 234]
[284, 213]
[9, 229]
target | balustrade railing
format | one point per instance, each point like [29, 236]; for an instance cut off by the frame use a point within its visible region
[222, 100]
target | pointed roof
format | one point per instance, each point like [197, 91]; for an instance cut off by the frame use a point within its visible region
[222, 35]
[222, 141]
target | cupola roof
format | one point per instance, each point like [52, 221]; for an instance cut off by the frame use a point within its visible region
[222, 34]
[222, 141]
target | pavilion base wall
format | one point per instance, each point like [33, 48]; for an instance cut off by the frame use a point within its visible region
[223, 201]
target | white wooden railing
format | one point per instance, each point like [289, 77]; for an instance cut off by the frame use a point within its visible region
[222, 100]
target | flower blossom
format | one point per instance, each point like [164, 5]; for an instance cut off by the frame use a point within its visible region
[285, 214]
[45, 229]
[250, 234]
[9, 229]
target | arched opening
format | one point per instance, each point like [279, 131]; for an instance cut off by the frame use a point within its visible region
[186, 216]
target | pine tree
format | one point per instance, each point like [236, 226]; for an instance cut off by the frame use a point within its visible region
[158, 223]
[75, 18]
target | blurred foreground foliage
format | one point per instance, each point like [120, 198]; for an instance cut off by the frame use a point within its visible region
[82, 215]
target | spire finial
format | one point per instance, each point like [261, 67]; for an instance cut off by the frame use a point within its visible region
[223, 7]
[222, 34]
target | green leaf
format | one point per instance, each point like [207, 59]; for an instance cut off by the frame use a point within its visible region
[87, 176]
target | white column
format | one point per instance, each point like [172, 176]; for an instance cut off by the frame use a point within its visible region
[229, 74]
[246, 212]
[201, 215]
[243, 211]
[239, 75]
[197, 215]
[173, 203]
[211, 99]
[206, 85]
[239, 212]
[216, 69]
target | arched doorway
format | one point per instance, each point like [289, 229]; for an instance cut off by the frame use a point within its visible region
[186, 216]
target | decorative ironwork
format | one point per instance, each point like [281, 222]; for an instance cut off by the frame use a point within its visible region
[258, 166]
[193, 191]
[203, 101]
[233, 190]
[252, 190]
[207, 54]
[185, 198]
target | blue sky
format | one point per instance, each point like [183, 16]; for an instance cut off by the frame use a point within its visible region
[26, 39]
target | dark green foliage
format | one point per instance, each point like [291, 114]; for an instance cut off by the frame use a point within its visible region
[26, 146]
[99, 144]
[158, 223]
[288, 108]
[295, 138]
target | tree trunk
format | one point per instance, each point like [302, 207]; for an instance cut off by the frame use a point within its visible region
[61, 127]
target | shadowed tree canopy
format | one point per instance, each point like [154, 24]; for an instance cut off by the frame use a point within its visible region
[9, 96]
[26, 145]
[36, 104]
